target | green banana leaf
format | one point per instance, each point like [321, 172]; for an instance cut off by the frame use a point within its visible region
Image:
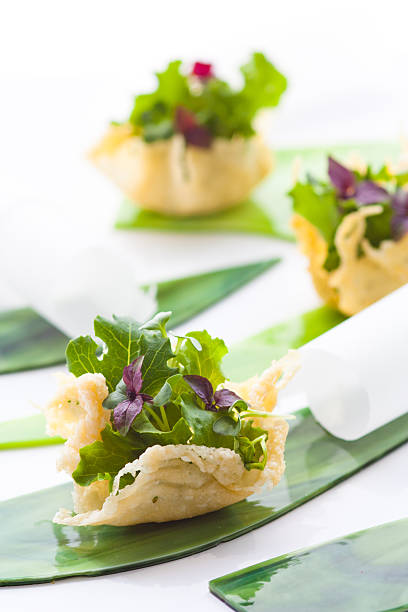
[365, 571]
[268, 211]
[33, 549]
[26, 432]
[244, 360]
[28, 341]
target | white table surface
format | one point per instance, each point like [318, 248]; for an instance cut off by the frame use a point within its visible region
[63, 79]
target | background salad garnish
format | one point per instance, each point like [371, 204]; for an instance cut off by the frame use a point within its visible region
[326, 203]
[201, 106]
[163, 390]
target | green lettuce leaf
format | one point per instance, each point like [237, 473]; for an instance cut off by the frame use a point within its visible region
[216, 106]
[158, 323]
[172, 90]
[150, 435]
[157, 352]
[172, 390]
[121, 339]
[174, 415]
[264, 84]
[378, 227]
[201, 423]
[250, 450]
[205, 362]
[318, 203]
[103, 459]
[319, 208]
[116, 397]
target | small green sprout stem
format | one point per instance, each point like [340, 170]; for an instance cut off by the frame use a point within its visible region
[260, 465]
[155, 417]
[164, 417]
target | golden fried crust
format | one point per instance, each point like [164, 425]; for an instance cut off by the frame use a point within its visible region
[365, 274]
[169, 177]
[76, 414]
[180, 481]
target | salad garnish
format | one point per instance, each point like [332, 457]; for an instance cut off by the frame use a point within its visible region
[201, 106]
[164, 389]
[325, 204]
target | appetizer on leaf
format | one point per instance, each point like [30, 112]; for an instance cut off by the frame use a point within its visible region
[354, 230]
[190, 146]
[153, 432]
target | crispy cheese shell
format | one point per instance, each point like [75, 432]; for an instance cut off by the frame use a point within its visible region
[169, 177]
[365, 274]
[175, 481]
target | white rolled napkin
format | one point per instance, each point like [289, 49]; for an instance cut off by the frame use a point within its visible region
[354, 377]
[67, 272]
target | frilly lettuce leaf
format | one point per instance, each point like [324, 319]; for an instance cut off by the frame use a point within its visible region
[325, 207]
[149, 434]
[224, 111]
[171, 413]
[378, 227]
[264, 84]
[319, 207]
[172, 89]
[201, 423]
[205, 362]
[121, 339]
[157, 352]
[103, 459]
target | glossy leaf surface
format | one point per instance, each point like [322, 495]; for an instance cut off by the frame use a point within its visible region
[33, 549]
[365, 571]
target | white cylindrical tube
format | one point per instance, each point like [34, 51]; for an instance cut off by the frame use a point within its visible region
[355, 376]
[71, 274]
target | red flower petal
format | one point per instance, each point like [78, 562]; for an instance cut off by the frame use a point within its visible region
[202, 71]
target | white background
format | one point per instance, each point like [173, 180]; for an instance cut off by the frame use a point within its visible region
[66, 69]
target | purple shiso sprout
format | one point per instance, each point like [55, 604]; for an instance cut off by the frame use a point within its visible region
[125, 413]
[347, 186]
[221, 399]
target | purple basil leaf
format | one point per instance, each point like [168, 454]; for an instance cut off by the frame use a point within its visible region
[400, 202]
[184, 119]
[201, 387]
[342, 178]
[125, 413]
[146, 398]
[399, 221]
[199, 136]
[132, 375]
[186, 123]
[399, 227]
[368, 192]
[224, 398]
